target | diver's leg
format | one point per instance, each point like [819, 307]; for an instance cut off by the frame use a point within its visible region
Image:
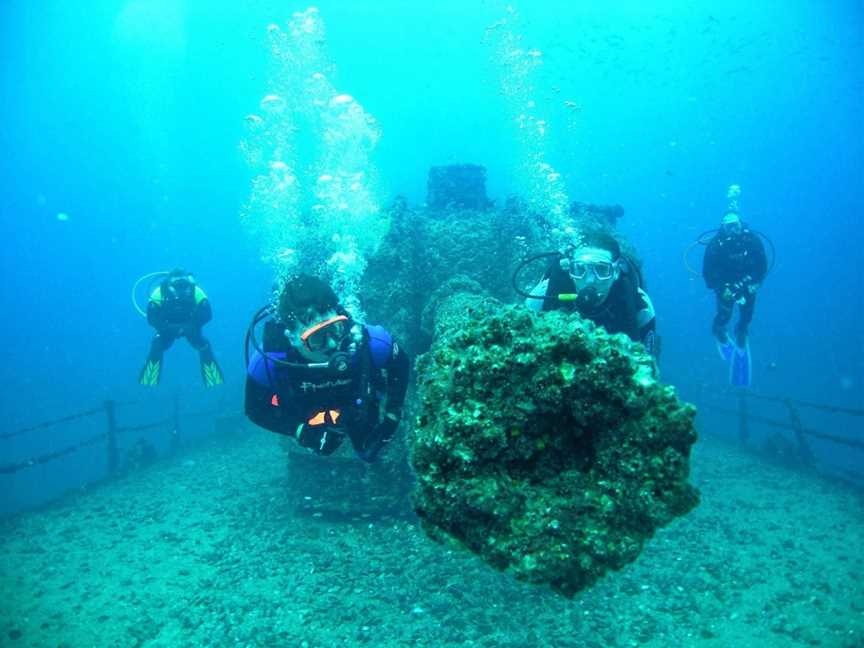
[721, 319]
[745, 316]
[360, 435]
[152, 370]
[211, 374]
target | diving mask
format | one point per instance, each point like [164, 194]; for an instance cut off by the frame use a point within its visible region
[603, 270]
[180, 287]
[325, 335]
[588, 262]
[731, 223]
[593, 271]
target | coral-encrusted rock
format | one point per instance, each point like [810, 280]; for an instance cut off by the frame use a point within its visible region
[460, 186]
[544, 444]
[426, 248]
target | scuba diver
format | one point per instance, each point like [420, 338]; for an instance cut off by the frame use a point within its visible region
[734, 266]
[600, 283]
[320, 376]
[178, 307]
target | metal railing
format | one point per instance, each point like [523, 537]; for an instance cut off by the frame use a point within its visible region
[109, 436]
[794, 424]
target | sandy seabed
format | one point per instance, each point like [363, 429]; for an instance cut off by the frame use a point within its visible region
[206, 550]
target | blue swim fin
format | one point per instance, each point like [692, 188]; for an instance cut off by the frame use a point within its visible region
[740, 369]
[725, 349]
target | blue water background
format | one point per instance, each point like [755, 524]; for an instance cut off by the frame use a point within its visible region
[126, 116]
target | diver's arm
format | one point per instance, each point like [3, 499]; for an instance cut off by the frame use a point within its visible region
[398, 369]
[156, 316]
[760, 260]
[540, 289]
[646, 321]
[648, 338]
[261, 410]
[202, 314]
[282, 415]
[711, 265]
[264, 407]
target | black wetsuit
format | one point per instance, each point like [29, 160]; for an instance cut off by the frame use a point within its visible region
[175, 316]
[319, 407]
[736, 262]
[627, 309]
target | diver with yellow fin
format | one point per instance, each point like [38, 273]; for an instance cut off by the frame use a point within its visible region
[178, 307]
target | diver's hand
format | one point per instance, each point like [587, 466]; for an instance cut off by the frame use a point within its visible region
[387, 428]
[380, 436]
[173, 330]
[322, 439]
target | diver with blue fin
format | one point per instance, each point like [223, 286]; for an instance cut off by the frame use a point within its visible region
[178, 307]
[734, 267]
[319, 376]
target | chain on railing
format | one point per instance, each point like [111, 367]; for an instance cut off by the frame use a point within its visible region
[794, 427]
[8, 469]
[47, 424]
[110, 436]
[143, 427]
[834, 409]
[803, 453]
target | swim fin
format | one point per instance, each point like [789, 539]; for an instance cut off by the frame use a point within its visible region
[740, 369]
[210, 371]
[725, 349]
[150, 373]
[212, 374]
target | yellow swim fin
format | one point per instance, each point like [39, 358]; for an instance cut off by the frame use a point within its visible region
[150, 373]
[211, 373]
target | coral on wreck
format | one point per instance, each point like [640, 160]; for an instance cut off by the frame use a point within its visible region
[545, 445]
[426, 248]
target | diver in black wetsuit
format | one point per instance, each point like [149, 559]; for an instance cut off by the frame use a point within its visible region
[601, 284]
[734, 267]
[179, 307]
[320, 376]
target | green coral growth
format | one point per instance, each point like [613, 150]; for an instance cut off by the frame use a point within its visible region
[542, 446]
